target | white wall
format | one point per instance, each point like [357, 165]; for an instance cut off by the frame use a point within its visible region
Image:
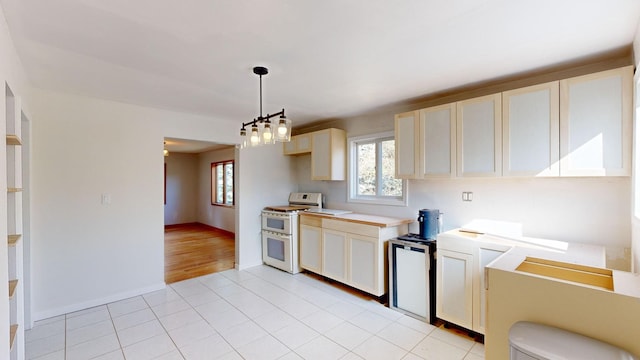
[221, 217]
[264, 177]
[182, 188]
[585, 210]
[85, 253]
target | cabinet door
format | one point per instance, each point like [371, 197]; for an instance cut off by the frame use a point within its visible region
[364, 264]
[484, 254]
[299, 144]
[328, 154]
[303, 143]
[311, 248]
[289, 148]
[595, 124]
[530, 131]
[454, 288]
[406, 142]
[334, 255]
[437, 141]
[479, 136]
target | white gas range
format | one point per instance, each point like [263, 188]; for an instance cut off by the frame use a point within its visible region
[280, 230]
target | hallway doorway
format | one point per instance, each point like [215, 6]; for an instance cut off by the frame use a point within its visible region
[199, 234]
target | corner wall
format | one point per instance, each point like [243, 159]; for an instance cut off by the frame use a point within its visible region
[85, 253]
[181, 188]
[11, 73]
[221, 217]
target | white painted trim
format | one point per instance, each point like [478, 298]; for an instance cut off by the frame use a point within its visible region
[241, 267]
[351, 171]
[96, 302]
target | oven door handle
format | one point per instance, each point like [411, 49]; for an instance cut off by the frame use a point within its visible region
[269, 232]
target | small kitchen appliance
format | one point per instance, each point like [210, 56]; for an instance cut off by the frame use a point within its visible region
[412, 276]
[429, 221]
[280, 230]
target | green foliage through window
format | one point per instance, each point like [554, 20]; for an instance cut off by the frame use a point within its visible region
[375, 169]
[222, 183]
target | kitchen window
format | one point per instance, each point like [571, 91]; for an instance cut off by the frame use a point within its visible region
[222, 183]
[372, 171]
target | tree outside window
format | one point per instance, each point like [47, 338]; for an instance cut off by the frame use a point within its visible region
[222, 183]
[373, 170]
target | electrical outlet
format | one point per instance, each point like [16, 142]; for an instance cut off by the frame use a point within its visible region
[467, 196]
[105, 199]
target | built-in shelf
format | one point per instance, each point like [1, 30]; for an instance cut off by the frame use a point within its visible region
[13, 140]
[12, 335]
[13, 239]
[14, 190]
[13, 284]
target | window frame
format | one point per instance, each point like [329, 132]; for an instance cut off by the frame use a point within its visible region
[352, 196]
[213, 183]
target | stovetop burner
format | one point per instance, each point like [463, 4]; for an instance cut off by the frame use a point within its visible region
[416, 238]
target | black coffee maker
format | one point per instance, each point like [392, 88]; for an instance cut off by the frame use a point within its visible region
[429, 221]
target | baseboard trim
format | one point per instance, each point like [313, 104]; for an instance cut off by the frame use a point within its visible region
[173, 226]
[45, 314]
[241, 267]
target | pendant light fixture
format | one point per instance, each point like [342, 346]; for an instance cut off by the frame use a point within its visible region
[262, 132]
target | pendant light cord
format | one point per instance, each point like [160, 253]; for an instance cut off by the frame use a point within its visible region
[261, 97]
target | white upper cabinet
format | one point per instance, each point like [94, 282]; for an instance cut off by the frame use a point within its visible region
[299, 144]
[328, 150]
[479, 136]
[530, 128]
[595, 124]
[426, 143]
[328, 154]
[579, 126]
[406, 142]
[437, 143]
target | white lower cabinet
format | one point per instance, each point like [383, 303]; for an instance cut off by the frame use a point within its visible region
[311, 248]
[349, 252]
[460, 284]
[454, 289]
[334, 255]
[364, 260]
[483, 255]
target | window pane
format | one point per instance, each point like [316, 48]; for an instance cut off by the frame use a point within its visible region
[219, 184]
[390, 185]
[228, 170]
[366, 169]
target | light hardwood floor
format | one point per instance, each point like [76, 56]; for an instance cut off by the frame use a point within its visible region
[194, 249]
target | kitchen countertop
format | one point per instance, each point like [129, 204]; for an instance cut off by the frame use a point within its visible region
[366, 219]
[624, 283]
[582, 306]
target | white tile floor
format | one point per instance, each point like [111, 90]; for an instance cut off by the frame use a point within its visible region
[260, 313]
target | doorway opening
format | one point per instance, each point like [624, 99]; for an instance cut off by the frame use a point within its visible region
[199, 236]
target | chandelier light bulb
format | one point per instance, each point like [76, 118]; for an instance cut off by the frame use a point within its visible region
[255, 139]
[267, 134]
[282, 128]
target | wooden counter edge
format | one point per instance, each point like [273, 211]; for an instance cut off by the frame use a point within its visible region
[347, 217]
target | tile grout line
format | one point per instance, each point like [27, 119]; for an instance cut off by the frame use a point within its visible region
[115, 331]
[293, 288]
[162, 325]
[298, 320]
[251, 319]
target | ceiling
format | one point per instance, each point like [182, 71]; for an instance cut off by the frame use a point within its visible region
[191, 146]
[326, 59]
